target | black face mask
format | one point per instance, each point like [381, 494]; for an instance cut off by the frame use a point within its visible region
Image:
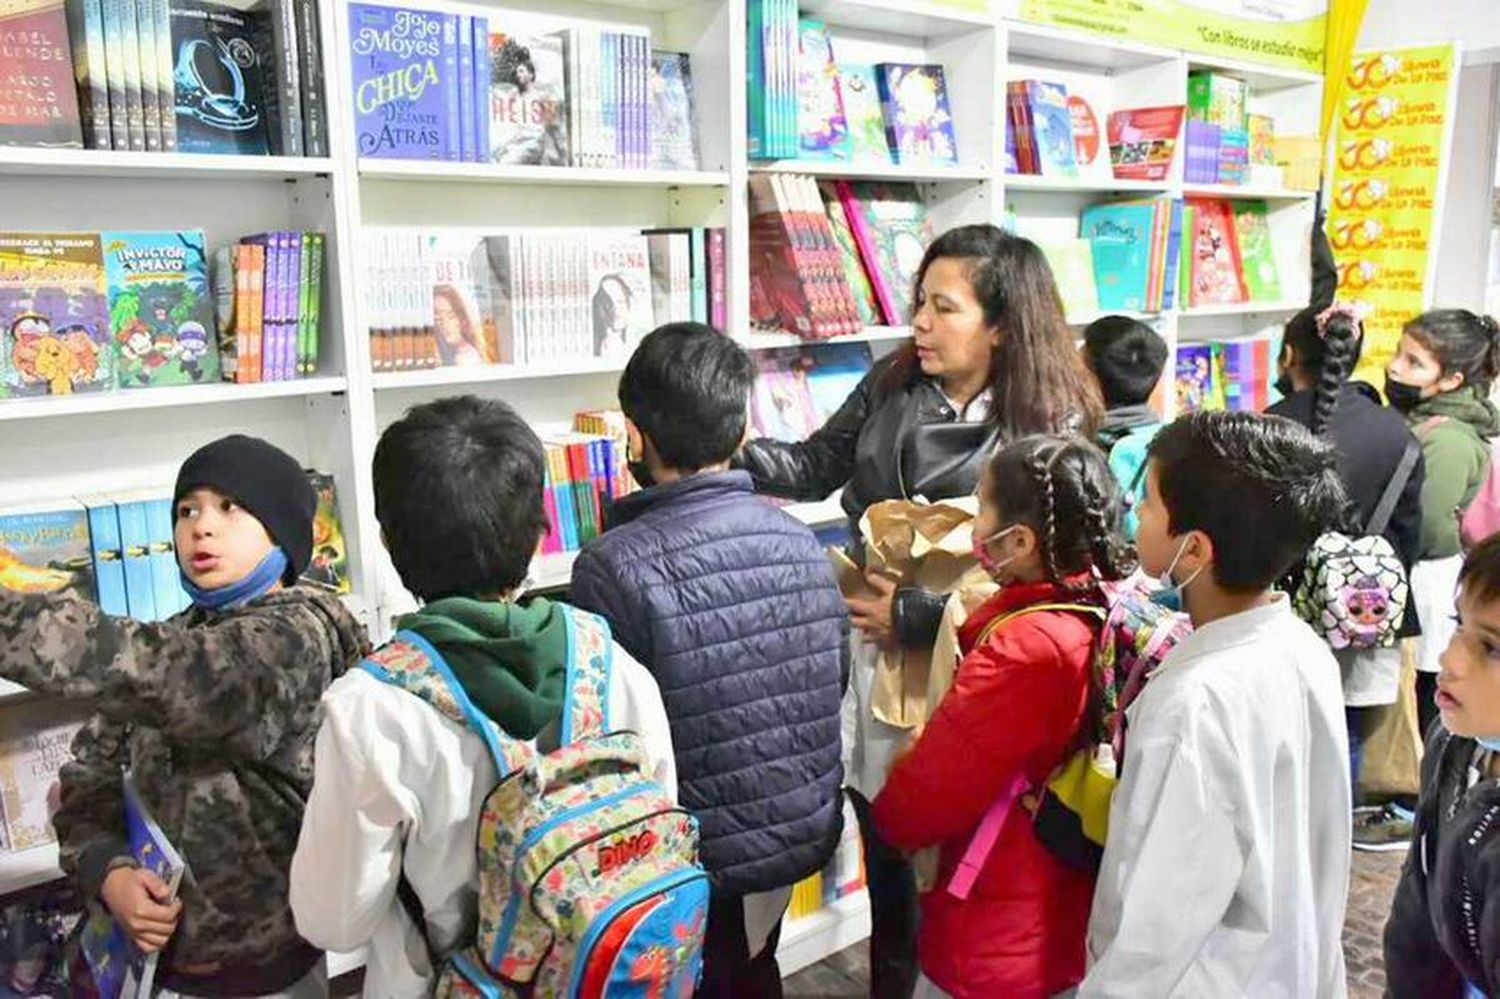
[1284, 384]
[1404, 398]
[641, 472]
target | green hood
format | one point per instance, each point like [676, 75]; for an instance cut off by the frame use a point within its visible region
[1467, 405]
[511, 659]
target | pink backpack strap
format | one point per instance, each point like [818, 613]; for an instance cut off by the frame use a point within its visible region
[985, 837]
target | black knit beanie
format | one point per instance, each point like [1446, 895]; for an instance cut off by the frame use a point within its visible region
[266, 481]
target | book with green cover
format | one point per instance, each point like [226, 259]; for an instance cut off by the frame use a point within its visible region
[1257, 255]
[1072, 263]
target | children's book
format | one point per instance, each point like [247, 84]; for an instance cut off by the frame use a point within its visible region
[836, 371]
[1262, 129]
[1253, 234]
[35, 744]
[889, 222]
[38, 100]
[161, 308]
[824, 130]
[619, 291]
[1051, 131]
[329, 567]
[111, 955]
[918, 123]
[781, 406]
[45, 549]
[218, 79]
[400, 62]
[54, 320]
[854, 267]
[1088, 114]
[1072, 263]
[1197, 388]
[1218, 278]
[862, 114]
[1142, 142]
[1216, 98]
[1121, 238]
[673, 125]
[528, 99]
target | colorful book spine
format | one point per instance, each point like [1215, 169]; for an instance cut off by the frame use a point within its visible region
[453, 134]
[315, 303]
[291, 303]
[86, 36]
[468, 109]
[718, 266]
[135, 543]
[483, 71]
[167, 593]
[699, 237]
[146, 54]
[109, 565]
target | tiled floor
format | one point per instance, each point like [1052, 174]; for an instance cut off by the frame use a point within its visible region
[846, 975]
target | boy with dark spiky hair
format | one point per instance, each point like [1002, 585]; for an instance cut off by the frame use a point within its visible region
[1227, 862]
[1127, 357]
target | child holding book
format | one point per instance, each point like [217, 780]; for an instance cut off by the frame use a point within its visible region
[1227, 863]
[387, 855]
[1127, 357]
[214, 711]
[1442, 938]
[1047, 530]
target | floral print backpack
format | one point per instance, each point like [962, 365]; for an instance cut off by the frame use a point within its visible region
[589, 882]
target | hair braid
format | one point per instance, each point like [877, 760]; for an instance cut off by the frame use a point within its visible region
[1110, 555]
[1041, 471]
[1341, 339]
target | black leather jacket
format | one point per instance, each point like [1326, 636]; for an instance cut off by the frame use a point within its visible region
[884, 443]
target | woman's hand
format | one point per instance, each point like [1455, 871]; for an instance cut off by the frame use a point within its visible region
[875, 615]
[143, 904]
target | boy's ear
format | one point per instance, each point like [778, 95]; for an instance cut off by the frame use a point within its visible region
[1198, 555]
[635, 441]
[1288, 358]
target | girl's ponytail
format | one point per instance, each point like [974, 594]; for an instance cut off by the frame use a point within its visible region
[1492, 356]
[1327, 345]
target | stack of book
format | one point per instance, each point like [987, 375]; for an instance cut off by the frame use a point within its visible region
[1135, 247]
[1233, 259]
[799, 388]
[165, 76]
[270, 292]
[119, 550]
[1143, 142]
[806, 103]
[535, 297]
[584, 473]
[1226, 143]
[828, 258]
[495, 93]
[1231, 375]
[1039, 126]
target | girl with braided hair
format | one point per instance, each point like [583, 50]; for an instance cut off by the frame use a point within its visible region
[1021, 701]
[1320, 350]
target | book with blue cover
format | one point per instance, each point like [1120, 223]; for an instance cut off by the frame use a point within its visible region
[1052, 128]
[108, 555]
[167, 590]
[820, 117]
[218, 80]
[135, 547]
[402, 80]
[918, 123]
[1121, 239]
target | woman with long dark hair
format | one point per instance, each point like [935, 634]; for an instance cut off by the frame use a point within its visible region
[991, 359]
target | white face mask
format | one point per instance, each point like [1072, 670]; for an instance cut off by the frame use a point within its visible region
[991, 566]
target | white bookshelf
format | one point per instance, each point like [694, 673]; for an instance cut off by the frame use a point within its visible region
[124, 440]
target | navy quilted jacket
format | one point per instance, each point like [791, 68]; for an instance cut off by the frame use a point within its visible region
[732, 606]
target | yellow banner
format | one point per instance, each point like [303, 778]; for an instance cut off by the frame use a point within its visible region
[1389, 146]
[1272, 32]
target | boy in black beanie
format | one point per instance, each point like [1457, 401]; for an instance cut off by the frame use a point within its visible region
[215, 711]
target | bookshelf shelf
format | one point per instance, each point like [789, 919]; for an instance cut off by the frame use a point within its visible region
[1084, 318]
[832, 928]
[899, 17]
[1262, 79]
[430, 377]
[873, 171]
[22, 869]
[488, 173]
[1039, 43]
[106, 403]
[1241, 309]
[91, 163]
[1242, 192]
[1021, 183]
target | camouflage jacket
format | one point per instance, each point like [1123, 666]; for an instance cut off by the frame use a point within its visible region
[219, 712]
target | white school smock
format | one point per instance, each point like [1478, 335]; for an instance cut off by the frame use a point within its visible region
[396, 783]
[1227, 864]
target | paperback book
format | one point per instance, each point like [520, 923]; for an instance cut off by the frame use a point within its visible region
[862, 114]
[160, 308]
[824, 132]
[403, 64]
[918, 123]
[38, 100]
[218, 80]
[46, 549]
[54, 321]
[34, 747]
[674, 136]
[528, 107]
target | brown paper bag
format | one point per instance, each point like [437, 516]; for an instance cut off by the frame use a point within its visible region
[1393, 751]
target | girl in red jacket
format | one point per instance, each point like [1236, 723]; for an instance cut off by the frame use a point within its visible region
[1048, 527]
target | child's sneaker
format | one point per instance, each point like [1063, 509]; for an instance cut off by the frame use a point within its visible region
[1382, 827]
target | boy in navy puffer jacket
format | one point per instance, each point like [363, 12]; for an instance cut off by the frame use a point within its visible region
[732, 606]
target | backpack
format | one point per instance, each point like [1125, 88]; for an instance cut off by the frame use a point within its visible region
[589, 882]
[1481, 518]
[1127, 459]
[1353, 589]
[1070, 812]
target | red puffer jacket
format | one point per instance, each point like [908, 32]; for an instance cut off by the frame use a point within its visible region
[1015, 706]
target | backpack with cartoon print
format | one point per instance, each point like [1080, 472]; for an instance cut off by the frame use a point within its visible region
[589, 882]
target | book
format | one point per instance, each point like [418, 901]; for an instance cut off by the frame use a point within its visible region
[1088, 113]
[1050, 132]
[1019, 138]
[823, 131]
[114, 61]
[310, 73]
[456, 319]
[619, 282]
[1072, 263]
[167, 593]
[54, 320]
[145, 33]
[468, 107]
[1262, 131]
[329, 567]
[858, 279]
[1120, 235]
[1217, 98]
[671, 275]
[1257, 255]
[135, 549]
[166, 86]
[788, 289]
[160, 308]
[107, 553]
[1201, 140]
[107, 949]
[35, 744]
[889, 222]
[452, 88]
[1195, 383]
[528, 100]
[836, 371]
[45, 548]
[130, 48]
[673, 128]
[1218, 277]
[220, 98]
[862, 114]
[38, 97]
[1234, 156]
[1142, 142]
[918, 123]
[85, 25]
[277, 44]
[398, 58]
[781, 405]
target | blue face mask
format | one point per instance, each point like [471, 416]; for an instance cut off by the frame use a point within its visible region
[1492, 743]
[1169, 596]
[264, 576]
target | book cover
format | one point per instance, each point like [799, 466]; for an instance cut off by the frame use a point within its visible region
[468, 107]
[160, 308]
[528, 100]
[619, 291]
[1217, 277]
[275, 25]
[1120, 235]
[673, 125]
[1253, 234]
[1201, 140]
[220, 98]
[918, 124]
[145, 36]
[399, 86]
[1072, 263]
[1142, 142]
[45, 548]
[108, 555]
[1088, 113]
[167, 593]
[135, 547]
[781, 404]
[835, 372]
[609, 108]
[310, 73]
[1196, 389]
[1262, 131]
[889, 222]
[38, 98]
[1051, 128]
[166, 87]
[483, 74]
[782, 279]
[329, 568]
[1216, 98]
[824, 133]
[862, 114]
[85, 24]
[54, 320]
[35, 744]
[662, 248]
[858, 279]
[456, 318]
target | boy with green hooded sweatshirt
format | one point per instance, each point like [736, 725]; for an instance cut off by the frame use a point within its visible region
[399, 787]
